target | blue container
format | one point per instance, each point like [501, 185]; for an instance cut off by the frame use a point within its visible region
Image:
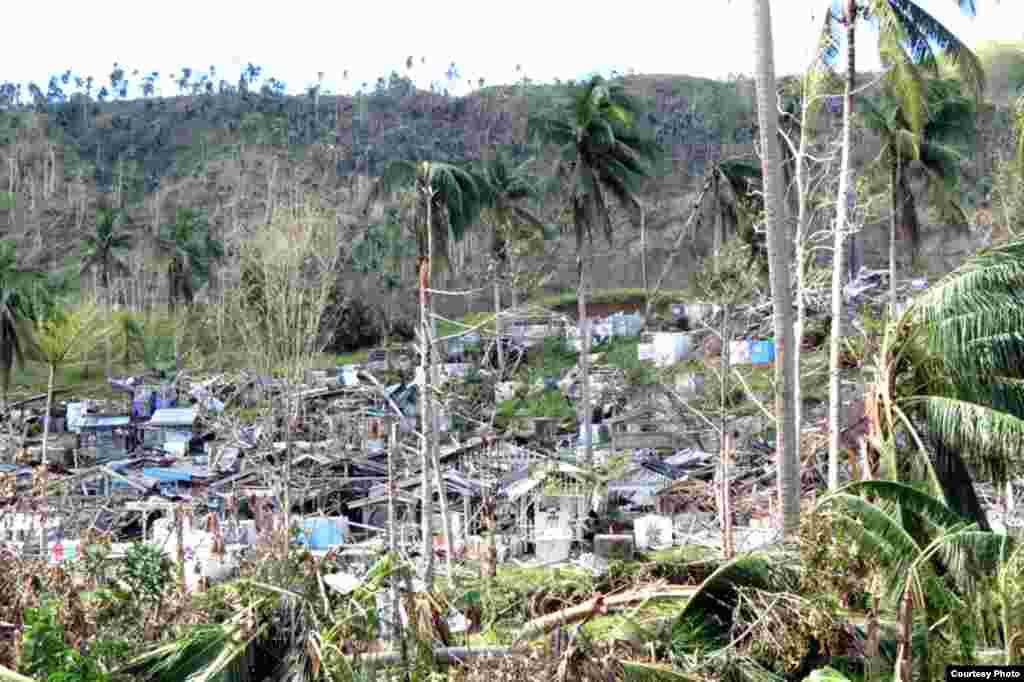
[762, 352]
[322, 533]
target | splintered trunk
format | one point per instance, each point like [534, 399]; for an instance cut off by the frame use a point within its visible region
[588, 439]
[838, 251]
[46, 416]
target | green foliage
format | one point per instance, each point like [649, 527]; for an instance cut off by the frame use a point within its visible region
[605, 151]
[191, 251]
[550, 403]
[624, 354]
[146, 572]
[46, 655]
[552, 359]
[382, 250]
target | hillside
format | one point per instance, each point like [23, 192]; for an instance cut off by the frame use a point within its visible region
[236, 153]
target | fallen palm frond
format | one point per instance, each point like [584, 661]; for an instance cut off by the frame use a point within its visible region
[780, 627]
[637, 671]
[206, 652]
[717, 596]
[599, 606]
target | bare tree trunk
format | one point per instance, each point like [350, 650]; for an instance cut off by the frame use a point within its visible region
[796, 353]
[289, 419]
[46, 416]
[725, 506]
[446, 521]
[838, 251]
[396, 625]
[497, 321]
[778, 260]
[427, 413]
[271, 182]
[687, 229]
[584, 284]
[643, 257]
[896, 214]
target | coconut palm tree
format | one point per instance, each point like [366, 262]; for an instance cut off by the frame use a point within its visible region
[936, 149]
[951, 377]
[908, 42]
[19, 293]
[450, 192]
[787, 447]
[505, 188]
[100, 250]
[191, 251]
[603, 155]
[448, 202]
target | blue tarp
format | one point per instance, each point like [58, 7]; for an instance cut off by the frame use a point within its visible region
[322, 533]
[162, 474]
[762, 352]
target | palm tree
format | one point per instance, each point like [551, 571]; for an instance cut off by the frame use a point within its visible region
[787, 447]
[950, 124]
[602, 154]
[907, 42]
[100, 251]
[19, 291]
[950, 376]
[448, 202]
[381, 251]
[191, 251]
[505, 187]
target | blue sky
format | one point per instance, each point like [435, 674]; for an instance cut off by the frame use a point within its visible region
[552, 38]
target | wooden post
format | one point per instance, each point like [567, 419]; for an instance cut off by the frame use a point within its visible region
[872, 636]
[905, 622]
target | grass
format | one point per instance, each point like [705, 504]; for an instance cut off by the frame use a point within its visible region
[90, 378]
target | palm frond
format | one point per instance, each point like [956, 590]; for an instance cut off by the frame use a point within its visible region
[879, 534]
[904, 78]
[910, 499]
[717, 595]
[988, 438]
[924, 34]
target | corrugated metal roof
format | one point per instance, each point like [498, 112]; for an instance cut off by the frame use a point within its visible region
[173, 416]
[87, 421]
